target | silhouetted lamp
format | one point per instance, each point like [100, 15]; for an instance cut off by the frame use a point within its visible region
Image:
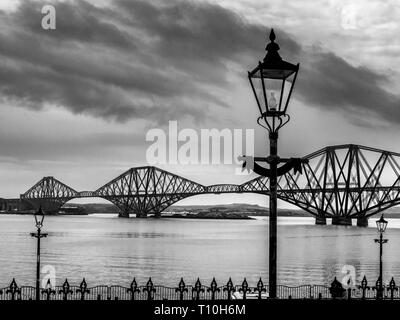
[381, 224]
[39, 217]
[272, 81]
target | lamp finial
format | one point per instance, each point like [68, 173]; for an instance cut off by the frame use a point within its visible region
[272, 48]
[272, 36]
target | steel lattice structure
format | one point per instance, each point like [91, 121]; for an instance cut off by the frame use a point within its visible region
[339, 182]
[49, 193]
[147, 190]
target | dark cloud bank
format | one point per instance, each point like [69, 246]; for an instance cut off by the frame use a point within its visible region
[136, 59]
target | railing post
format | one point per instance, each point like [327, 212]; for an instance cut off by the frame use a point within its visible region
[364, 286]
[213, 288]
[348, 293]
[65, 290]
[379, 289]
[83, 289]
[336, 290]
[149, 289]
[13, 289]
[48, 290]
[197, 289]
[133, 289]
[392, 287]
[244, 288]
[229, 288]
[260, 288]
[181, 289]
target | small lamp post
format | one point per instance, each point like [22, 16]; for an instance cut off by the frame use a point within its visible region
[381, 225]
[39, 217]
[272, 82]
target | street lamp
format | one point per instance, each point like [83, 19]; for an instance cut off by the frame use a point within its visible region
[39, 217]
[381, 225]
[272, 82]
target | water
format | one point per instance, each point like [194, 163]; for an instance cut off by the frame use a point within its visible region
[109, 250]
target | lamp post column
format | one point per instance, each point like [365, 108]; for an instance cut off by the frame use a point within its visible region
[38, 235]
[380, 266]
[273, 139]
[38, 265]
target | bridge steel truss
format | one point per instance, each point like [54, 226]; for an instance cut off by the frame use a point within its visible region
[147, 190]
[339, 182]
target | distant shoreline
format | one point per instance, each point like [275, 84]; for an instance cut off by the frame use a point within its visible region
[209, 216]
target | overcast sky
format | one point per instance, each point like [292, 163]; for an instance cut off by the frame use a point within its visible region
[76, 102]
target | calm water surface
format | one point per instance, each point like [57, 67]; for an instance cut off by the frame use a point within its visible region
[108, 250]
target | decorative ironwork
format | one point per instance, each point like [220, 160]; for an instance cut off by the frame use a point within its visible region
[198, 288]
[13, 289]
[213, 288]
[260, 288]
[48, 290]
[133, 289]
[65, 290]
[364, 287]
[379, 288]
[149, 289]
[392, 287]
[336, 289]
[181, 289]
[83, 289]
[229, 288]
[244, 288]
[151, 292]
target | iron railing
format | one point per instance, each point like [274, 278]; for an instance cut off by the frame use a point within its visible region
[198, 291]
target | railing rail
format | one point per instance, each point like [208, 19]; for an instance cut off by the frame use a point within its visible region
[197, 291]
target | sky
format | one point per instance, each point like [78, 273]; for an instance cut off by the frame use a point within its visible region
[77, 102]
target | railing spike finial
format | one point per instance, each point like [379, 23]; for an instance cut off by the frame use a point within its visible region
[213, 288]
[133, 288]
[83, 289]
[181, 289]
[66, 289]
[392, 287]
[149, 289]
[244, 288]
[336, 289]
[198, 288]
[48, 290]
[229, 288]
[13, 289]
[260, 288]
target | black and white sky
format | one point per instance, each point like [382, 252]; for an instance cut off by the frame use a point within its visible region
[76, 102]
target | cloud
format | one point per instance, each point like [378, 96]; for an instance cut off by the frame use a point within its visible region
[161, 60]
[330, 82]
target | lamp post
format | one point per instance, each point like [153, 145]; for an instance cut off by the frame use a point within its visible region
[39, 217]
[272, 82]
[381, 225]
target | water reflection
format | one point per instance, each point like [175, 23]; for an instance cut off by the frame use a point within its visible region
[108, 250]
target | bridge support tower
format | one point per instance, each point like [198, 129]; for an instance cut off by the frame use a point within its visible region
[341, 221]
[362, 222]
[123, 214]
[320, 219]
[141, 214]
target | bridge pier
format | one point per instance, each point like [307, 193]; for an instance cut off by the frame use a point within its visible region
[123, 214]
[362, 222]
[341, 221]
[320, 219]
[141, 214]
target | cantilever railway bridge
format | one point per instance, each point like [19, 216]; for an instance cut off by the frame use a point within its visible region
[339, 182]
